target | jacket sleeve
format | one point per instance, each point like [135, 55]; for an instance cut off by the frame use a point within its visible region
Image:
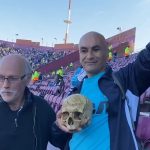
[136, 76]
[59, 138]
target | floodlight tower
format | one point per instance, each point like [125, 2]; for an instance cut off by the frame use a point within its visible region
[68, 22]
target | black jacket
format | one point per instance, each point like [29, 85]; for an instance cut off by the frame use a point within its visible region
[30, 127]
[135, 79]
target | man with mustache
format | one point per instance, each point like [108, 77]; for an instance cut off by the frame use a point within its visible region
[112, 125]
[26, 119]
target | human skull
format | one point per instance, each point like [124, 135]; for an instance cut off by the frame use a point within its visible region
[76, 111]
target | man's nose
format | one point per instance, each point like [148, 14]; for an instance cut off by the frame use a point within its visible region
[90, 54]
[5, 83]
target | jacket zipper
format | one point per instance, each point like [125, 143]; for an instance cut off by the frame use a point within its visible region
[16, 119]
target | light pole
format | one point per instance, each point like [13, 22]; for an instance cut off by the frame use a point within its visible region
[68, 22]
[54, 42]
[16, 35]
[42, 41]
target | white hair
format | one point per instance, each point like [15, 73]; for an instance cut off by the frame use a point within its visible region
[27, 66]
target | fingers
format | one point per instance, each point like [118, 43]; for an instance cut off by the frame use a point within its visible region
[58, 115]
[65, 129]
[62, 127]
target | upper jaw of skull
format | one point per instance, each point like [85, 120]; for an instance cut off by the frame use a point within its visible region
[75, 110]
[72, 119]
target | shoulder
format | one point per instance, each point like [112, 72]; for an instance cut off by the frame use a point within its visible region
[42, 105]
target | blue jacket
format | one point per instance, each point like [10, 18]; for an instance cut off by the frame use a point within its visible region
[135, 79]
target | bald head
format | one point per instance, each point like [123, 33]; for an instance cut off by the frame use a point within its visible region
[93, 37]
[17, 63]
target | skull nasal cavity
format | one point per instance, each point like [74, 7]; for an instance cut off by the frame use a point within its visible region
[70, 121]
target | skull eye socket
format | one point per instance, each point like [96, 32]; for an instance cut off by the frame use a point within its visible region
[77, 115]
[65, 115]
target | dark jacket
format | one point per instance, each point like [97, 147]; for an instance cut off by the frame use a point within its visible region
[135, 79]
[30, 127]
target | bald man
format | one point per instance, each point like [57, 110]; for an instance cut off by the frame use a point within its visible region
[26, 119]
[112, 126]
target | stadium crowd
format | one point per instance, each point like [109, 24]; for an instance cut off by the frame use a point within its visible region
[35, 57]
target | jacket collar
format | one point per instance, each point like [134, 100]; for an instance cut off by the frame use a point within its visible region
[108, 74]
[28, 98]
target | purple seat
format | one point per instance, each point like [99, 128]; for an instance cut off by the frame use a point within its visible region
[143, 131]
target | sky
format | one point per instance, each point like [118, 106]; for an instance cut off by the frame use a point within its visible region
[43, 20]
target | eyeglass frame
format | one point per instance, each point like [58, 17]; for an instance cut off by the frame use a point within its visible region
[12, 79]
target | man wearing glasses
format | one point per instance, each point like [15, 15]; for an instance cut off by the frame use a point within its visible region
[26, 119]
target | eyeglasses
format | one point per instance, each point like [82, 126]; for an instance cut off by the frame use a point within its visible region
[11, 79]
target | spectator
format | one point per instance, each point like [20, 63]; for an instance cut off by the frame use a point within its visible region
[112, 125]
[114, 55]
[40, 76]
[110, 56]
[53, 73]
[127, 51]
[26, 119]
[110, 48]
[71, 66]
[59, 76]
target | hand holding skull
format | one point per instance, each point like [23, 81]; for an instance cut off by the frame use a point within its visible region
[75, 114]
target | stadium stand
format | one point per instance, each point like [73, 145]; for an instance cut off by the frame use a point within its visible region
[143, 129]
